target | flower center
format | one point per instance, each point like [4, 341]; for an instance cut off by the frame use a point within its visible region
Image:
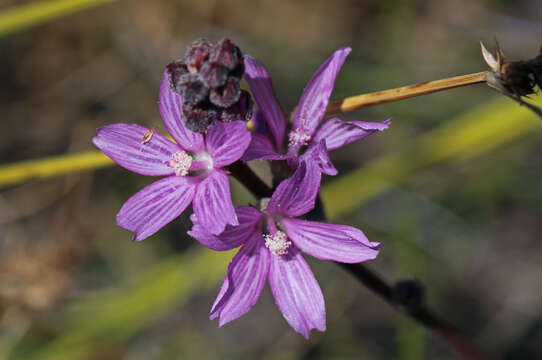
[263, 203]
[298, 137]
[277, 243]
[180, 162]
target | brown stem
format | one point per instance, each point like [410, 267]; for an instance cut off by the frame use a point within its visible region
[250, 180]
[405, 92]
[417, 310]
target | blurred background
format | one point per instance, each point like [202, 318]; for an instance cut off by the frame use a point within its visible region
[452, 190]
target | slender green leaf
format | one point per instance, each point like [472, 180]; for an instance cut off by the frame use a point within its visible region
[27, 16]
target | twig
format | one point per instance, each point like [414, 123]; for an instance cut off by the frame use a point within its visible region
[405, 92]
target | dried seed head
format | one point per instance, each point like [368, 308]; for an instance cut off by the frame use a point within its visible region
[226, 95]
[241, 110]
[199, 118]
[192, 89]
[226, 54]
[196, 54]
[514, 79]
[213, 74]
[175, 70]
[521, 77]
[208, 80]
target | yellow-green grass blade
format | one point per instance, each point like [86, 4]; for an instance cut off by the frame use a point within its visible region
[22, 17]
[113, 316]
[474, 133]
[16, 173]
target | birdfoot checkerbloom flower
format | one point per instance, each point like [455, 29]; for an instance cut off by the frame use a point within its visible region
[193, 168]
[306, 140]
[271, 240]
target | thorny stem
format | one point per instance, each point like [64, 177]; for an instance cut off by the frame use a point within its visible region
[405, 92]
[418, 312]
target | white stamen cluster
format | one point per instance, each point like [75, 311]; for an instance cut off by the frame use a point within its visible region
[181, 163]
[298, 137]
[277, 243]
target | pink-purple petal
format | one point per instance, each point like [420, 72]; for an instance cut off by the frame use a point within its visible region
[319, 154]
[297, 292]
[261, 148]
[170, 105]
[212, 203]
[296, 195]
[226, 142]
[124, 144]
[337, 132]
[262, 89]
[232, 236]
[244, 282]
[312, 105]
[155, 205]
[329, 241]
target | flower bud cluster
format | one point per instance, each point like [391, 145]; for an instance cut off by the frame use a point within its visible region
[208, 80]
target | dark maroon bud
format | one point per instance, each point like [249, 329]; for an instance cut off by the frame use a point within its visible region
[196, 54]
[175, 70]
[245, 105]
[226, 95]
[238, 72]
[213, 75]
[199, 118]
[192, 89]
[225, 53]
[242, 110]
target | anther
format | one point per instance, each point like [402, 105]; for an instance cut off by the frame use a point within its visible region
[181, 163]
[277, 244]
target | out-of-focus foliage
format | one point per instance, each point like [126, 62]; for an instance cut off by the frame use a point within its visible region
[452, 190]
[26, 16]
[489, 126]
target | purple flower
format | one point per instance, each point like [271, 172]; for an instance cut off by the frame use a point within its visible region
[193, 167]
[305, 134]
[271, 240]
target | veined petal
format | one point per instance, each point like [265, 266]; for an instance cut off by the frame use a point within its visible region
[212, 203]
[258, 121]
[329, 241]
[320, 155]
[337, 132]
[226, 142]
[297, 292]
[232, 236]
[124, 144]
[296, 195]
[262, 88]
[312, 105]
[261, 148]
[170, 105]
[243, 285]
[156, 205]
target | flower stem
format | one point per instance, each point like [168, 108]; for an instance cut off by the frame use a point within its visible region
[250, 180]
[416, 310]
[420, 313]
[405, 92]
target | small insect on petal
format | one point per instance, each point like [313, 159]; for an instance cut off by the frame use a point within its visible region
[148, 135]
